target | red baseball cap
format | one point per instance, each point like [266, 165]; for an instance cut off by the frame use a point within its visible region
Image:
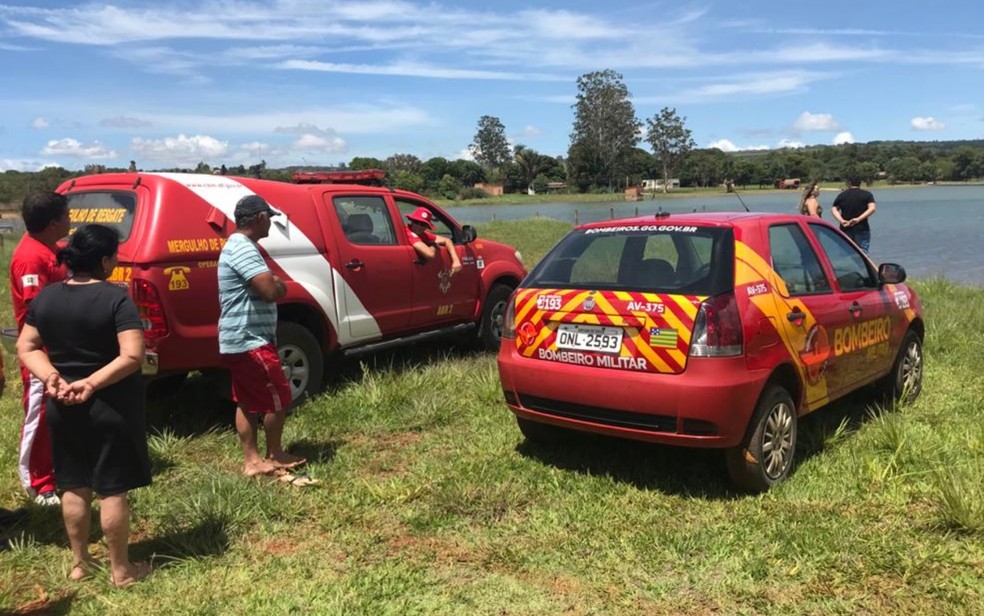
[423, 216]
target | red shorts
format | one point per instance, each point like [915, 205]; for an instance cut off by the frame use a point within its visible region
[258, 382]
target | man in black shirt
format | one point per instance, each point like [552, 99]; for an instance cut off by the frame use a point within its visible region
[851, 209]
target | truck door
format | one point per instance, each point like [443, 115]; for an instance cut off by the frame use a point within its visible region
[375, 265]
[439, 297]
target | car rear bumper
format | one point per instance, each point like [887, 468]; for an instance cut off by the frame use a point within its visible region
[708, 405]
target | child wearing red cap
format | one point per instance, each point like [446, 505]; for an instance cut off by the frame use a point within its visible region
[426, 243]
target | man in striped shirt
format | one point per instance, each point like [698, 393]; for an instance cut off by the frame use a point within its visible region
[248, 292]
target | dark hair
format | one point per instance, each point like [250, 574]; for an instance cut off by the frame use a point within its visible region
[41, 209]
[854, 181]
[86, 249]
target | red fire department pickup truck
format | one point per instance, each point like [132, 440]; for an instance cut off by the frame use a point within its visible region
[354, 283]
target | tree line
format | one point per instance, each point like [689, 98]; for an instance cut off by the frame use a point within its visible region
[604, 156]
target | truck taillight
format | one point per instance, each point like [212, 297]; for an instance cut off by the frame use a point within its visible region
[717, 331]
[150, 309]
[509, 319]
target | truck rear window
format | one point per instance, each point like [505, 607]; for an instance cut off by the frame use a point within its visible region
[114, 209]
[652, 258]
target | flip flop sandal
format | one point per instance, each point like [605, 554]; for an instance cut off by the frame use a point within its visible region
[300, 480]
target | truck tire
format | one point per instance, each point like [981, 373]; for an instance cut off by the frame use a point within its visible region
[302, 360]
[493, 313]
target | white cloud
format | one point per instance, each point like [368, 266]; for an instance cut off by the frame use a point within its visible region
[747, 85]
[815, 122]
[329, 145]
[927, 123]
[789, 143]
[181, 150]
[842, 138]
[414, 69]
[22, 164]
[123, 121]
[726, 145]
[465, 154]
[39, 122]
[530, 131]
[357, 119]
[72, 147]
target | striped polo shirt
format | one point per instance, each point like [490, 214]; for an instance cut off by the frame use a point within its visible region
[246, 321]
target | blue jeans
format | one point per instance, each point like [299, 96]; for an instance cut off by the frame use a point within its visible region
[861, 237]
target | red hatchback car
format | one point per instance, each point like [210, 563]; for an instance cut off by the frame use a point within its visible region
[706, 330]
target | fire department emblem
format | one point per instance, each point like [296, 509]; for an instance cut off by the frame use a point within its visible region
[444, 281]
[527, 333]
[589, 304]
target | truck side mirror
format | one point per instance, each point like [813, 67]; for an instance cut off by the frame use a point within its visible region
[468, 234]
[891, 273]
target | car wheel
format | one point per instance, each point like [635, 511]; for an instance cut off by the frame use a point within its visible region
[904, 382]
[302, 360]
[536, 432]
[493, 314]
[766, 453]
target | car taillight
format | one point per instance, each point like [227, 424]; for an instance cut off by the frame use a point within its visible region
[717, 331]
[509, 319]
[150, 309]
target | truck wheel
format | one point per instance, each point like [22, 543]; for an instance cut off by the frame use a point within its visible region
[537, 432]
[904, 382]
[765, 455]
[493, 314]
[302, 360]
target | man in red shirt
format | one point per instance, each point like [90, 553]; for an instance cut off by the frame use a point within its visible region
[33, 266]
[426, 243]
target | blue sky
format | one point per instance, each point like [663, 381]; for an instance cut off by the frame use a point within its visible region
[302, 81]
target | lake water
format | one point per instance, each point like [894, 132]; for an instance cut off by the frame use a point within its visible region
[930, 230]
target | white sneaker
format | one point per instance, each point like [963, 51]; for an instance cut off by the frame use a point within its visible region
[48, 499]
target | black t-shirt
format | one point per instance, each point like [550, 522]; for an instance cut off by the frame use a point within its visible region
[79, 323]
[852, 203]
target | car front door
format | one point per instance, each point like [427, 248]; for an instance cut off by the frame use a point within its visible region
[866, 341]
[374, 265]
[439, 297]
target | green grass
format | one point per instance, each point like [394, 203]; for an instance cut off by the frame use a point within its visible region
[432, 503]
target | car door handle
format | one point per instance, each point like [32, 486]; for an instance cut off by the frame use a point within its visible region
[796, 317]
[855, 309]
[354, 264]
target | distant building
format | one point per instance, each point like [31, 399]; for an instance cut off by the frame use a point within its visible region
[494, 189]
[674, 183]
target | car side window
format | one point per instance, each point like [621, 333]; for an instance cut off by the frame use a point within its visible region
[850, 268]
[441, 226]
[794, 260]
[365, 220]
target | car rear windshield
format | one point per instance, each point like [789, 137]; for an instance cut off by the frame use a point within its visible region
[111, 208]
[679, 259]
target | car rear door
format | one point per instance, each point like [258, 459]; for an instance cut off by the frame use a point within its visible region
[374, 265]
[623, 297]
[808, 313]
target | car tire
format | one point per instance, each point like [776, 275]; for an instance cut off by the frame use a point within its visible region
[302, 360]
[536, 432]
[904, 383]
[493, 313]
[765, 455]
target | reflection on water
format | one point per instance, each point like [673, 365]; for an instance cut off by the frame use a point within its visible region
[931, 230]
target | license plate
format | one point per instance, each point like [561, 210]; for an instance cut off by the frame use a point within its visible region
[589, 338]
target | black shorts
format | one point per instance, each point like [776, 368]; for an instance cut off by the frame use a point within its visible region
[102, 443]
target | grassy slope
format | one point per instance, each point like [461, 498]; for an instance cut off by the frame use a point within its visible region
[432, 503]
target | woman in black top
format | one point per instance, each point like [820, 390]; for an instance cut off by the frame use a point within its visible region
[83, 338]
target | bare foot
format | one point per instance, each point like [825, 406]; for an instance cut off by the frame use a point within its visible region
[259, 467]
[286, 460]
[82, 570]
[131, 575]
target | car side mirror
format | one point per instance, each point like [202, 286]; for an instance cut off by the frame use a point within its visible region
[468, 234]
[891, 273]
